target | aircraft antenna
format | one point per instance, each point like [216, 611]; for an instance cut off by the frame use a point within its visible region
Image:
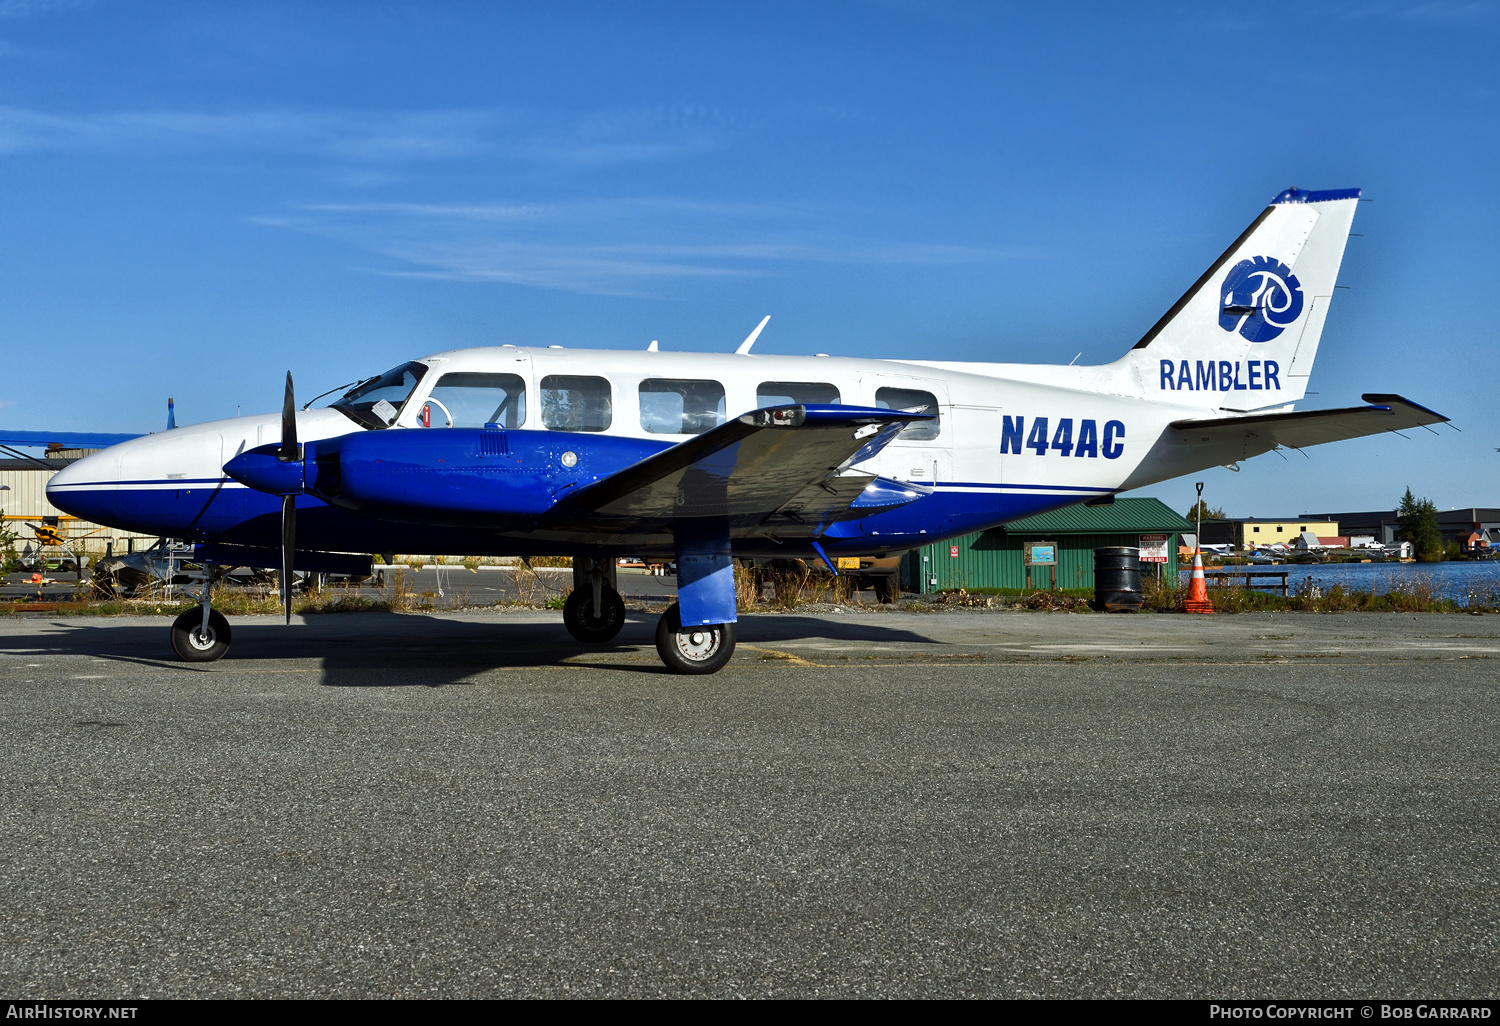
[750, 339]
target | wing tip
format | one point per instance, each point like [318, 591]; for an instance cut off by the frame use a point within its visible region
[1389, 399]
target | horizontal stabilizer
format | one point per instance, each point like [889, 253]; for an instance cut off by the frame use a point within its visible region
[1264, 432]
[787, 460]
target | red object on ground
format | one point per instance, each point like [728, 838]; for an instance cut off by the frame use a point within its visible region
[1197, 600]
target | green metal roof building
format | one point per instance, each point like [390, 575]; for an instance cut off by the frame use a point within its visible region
[995, 558]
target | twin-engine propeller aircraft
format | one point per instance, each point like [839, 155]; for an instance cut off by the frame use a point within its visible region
[703, 458]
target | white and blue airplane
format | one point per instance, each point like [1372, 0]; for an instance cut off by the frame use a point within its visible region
[704, 458]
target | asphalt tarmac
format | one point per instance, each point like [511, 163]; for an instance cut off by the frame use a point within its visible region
[862, 804]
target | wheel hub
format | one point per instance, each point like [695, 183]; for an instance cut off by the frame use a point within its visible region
[698, 645]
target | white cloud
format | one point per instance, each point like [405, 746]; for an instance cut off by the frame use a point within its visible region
[1432, 12]
[14, 9]
[623, 246]
[377, 137]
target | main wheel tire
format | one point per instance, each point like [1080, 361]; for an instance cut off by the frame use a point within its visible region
[578, 615]
[702, 649]
[192, 644]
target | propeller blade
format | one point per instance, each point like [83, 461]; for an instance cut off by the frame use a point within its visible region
[288, 425]
[288, 550]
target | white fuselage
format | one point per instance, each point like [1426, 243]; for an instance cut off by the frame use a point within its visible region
[1094, 442]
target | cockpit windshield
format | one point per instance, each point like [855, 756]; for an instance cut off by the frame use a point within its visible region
[377, 403]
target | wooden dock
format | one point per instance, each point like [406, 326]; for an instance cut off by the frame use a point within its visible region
[1224, 577]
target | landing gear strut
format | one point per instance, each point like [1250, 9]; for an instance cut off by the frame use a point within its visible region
[594, 611]
[202, 635]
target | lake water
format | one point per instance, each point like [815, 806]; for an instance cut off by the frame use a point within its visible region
[1456, 580]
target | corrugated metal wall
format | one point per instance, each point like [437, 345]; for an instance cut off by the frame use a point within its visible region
[993, 559]
[27, 498]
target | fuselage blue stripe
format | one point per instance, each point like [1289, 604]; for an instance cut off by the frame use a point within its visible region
[175, 482]
[1028, 487]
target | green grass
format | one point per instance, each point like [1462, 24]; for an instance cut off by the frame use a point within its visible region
[229, 603]
[1083, 593]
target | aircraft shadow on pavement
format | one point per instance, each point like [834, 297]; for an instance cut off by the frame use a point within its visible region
[389, 649]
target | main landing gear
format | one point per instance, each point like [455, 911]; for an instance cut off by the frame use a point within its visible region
[594, 613]
[202, 635]
[703, 649]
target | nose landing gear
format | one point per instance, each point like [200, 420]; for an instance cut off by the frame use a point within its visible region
[202, 635]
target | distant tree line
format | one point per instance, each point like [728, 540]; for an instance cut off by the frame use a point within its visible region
[1417, 523]
[1208, 514]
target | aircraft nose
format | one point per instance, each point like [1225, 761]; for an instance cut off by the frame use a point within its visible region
[86, 489]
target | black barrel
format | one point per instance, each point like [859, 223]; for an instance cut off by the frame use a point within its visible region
[1117, 579]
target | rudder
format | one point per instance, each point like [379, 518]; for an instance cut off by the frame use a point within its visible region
[1250, 326]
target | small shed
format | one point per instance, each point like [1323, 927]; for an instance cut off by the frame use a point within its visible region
[996, 558]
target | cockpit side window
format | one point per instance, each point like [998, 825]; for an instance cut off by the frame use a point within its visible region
[576, 402]
[377, 403]
[681, 406]
[912, 400]
[793, 393]
[476, 399]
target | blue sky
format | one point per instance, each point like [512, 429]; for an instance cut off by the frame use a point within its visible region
[195, 198]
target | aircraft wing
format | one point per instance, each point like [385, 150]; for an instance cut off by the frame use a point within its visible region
[1263, 432]
[789, 463]
[66, 439]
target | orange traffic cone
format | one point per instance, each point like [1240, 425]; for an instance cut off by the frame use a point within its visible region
[1197, 600]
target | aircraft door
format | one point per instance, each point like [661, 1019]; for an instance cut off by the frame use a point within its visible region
[924, 451]
[497, 390]
[976, 456]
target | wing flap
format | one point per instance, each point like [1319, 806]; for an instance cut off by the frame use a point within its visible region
[793, 459]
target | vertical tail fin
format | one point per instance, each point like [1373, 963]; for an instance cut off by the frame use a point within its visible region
[1245, 335]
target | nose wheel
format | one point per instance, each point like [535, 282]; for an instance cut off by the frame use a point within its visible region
[695, 650]
[196, 643]
[202, 635]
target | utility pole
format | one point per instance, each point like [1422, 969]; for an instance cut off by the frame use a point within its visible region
[1198, 512]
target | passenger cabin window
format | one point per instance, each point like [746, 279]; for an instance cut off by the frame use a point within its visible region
[795, 393]
[681, 406]
[474, 399]
[377, 403]
[912, 400]
[576, 402]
